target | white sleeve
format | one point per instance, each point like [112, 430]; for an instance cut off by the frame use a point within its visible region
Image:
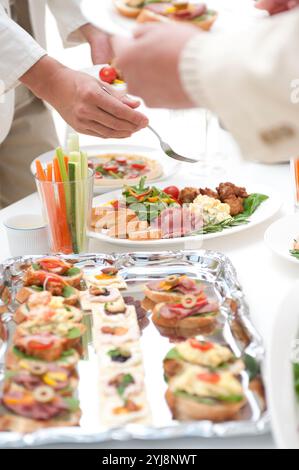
[18, 52]
[69, 18]
[247, 79]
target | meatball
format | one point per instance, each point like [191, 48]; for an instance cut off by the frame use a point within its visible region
[187, 195]
[209, 192]
[229, 190]
[235, 204]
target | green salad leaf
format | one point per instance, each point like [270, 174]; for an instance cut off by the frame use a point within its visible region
[295, 253]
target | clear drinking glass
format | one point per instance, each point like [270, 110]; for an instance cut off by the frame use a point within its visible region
[67, 210]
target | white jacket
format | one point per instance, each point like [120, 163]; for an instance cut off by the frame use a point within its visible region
[251, 81]
[19, 51]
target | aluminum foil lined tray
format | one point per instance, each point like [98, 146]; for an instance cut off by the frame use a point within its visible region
[236, 330]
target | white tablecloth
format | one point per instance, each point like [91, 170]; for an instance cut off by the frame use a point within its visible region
[264, 277]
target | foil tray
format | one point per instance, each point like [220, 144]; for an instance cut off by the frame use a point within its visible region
[237, 330]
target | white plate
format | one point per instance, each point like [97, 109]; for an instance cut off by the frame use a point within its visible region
[232, 17]
[170, 167]
[267, 209]
[280, 235]
[283, 349]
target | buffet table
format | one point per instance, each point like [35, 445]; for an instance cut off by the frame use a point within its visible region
[264, 277]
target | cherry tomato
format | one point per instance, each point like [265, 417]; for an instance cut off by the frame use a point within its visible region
[53, 264]
[209, 377]
[121, 160]
[201, 345]
[40, 346]
[138, 166]
[108, 74]
[111, 167]
[172, 191]
[115, 204]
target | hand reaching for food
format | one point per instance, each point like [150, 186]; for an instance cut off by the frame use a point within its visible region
[277, 6]
[82, 101]
[150, 63]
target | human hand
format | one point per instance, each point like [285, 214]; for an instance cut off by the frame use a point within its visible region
[101, 50]
[82, 102]
[150, 63]
[276, 6]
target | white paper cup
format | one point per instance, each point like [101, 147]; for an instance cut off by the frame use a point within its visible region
[27, 235]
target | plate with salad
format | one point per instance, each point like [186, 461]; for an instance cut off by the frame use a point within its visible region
[147, 215]
[282, 237]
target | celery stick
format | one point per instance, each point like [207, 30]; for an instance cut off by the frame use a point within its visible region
[84, 175]
[73, 143]
[75, 157]
[73, 169]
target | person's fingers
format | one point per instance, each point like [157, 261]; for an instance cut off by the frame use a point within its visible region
[129, 101]
[103, 131]
[106, 119]
[143, 30]
[113, 106]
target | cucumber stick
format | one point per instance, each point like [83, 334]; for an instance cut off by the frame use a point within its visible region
[84, 175]
[65, 179]
[75, 212]
[73, 143]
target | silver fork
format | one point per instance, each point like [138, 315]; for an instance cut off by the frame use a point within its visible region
[169, 151]
[164, 145]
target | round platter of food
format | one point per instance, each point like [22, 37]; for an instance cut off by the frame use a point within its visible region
[145, 215]
[282, 237]
[116, 165]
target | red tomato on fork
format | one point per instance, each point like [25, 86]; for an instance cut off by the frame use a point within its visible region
[108, 74]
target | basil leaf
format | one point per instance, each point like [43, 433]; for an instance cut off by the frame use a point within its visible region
[114, 352]
[74, 333]
[173, 354]
[36, 266]
[72, 403]
[73, 272]
[252, 366]
[37, 288]
[68, 291]
[126, 381]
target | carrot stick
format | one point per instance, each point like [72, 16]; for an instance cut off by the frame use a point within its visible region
[66, 162]
[49, 172]
[65, 232]
[48, 197]
[40, 171]
[296, 165]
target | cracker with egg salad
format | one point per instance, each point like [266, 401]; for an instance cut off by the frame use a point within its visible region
[199, 394]
[118, 169]
[199, 352]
